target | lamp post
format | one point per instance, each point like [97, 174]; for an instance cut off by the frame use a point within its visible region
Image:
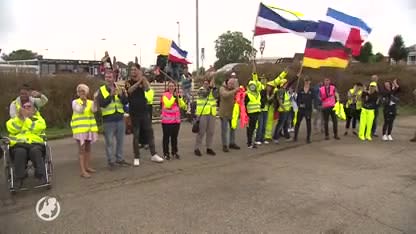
[179, 33]
[197, 36]
[140, 54]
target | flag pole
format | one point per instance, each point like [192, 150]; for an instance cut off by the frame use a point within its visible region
[252, 41]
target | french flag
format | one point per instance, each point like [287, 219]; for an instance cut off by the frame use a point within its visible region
[269, 22]
[177, 55]
[350, 31]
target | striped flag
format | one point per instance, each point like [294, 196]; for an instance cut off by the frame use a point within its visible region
[269, 22]
[325, 54]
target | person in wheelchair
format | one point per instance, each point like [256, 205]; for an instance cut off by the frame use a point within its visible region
[26, 132]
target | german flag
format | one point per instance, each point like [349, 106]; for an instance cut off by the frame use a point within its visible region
[325, 54]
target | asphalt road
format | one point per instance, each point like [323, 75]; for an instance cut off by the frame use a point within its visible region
[331, 186]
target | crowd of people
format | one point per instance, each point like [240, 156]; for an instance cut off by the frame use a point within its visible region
[267, 109]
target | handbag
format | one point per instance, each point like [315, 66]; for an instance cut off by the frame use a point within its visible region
[195, 124]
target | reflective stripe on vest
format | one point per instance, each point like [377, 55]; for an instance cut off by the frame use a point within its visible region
[170, 115]
[115, 105]
[254, 103]
[328, 100]
[84, 122]
[149, 95]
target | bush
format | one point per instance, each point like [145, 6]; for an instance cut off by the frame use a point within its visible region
[60, 91]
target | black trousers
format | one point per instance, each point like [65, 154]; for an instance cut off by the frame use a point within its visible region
[389, 116]
[143, 137]
[353, 115]
[307, 114]
[142, 125]
[330, 112]
[374, 127]
[22, 153]
[253, 117]
[170, 133]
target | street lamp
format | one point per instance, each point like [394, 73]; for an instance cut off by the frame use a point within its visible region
[140, 53]
[179, 33]
[197, 36]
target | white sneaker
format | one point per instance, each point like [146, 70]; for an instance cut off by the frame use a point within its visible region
[384, 138]
[389, 138]
[266, 142]
[156, 158]
[291, 130]
[136, 162]
[257, 143]
[276, 141]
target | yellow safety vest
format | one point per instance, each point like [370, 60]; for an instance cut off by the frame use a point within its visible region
[254, 103]
[114, 107]
[358, 103]
[149, 95]
[27, 131]
[84, 122]
[210, 107]
[286, 105]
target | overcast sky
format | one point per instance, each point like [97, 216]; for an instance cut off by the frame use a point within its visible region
[74, 29]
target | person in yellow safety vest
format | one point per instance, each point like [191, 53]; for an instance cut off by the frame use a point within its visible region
[262, 119]
[285, 105]
[111, 100]
[84, 128]
[370, 101]
[270, 105]
[253, 108]
[353, 107]
[26, 132]
[149, 95]
[227, 96]
[206, 112]
[26, 94]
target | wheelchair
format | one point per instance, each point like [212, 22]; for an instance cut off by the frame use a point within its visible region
[8, 166]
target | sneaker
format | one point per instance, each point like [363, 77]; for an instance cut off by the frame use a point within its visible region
[257, 143]
[211, 152]
[291, 130]
[354, 133]
[276, 141]
[362, 138]
[384, 138]
[197, 152]
[123, 163]
[337, 138]
[176, 156]
[136, 162]
[266, 142]
[390, 138]
[375, 135]
[225, 149]
[345, 133]
[166, 156]
[111, 165]
[369, 139]
[234, 146]
[156, 158]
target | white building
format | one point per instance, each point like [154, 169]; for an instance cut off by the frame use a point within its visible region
[411, 57]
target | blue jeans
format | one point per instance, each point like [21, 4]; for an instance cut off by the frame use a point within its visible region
[114, 129]
[282, 124]
[227, 133]
[261, 130]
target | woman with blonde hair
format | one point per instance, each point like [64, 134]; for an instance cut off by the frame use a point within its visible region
[84, 128]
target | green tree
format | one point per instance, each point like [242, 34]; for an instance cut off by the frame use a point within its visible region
[366, 53]
[398, 50]
[21, 54]
[379, 57]
[232, 47]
